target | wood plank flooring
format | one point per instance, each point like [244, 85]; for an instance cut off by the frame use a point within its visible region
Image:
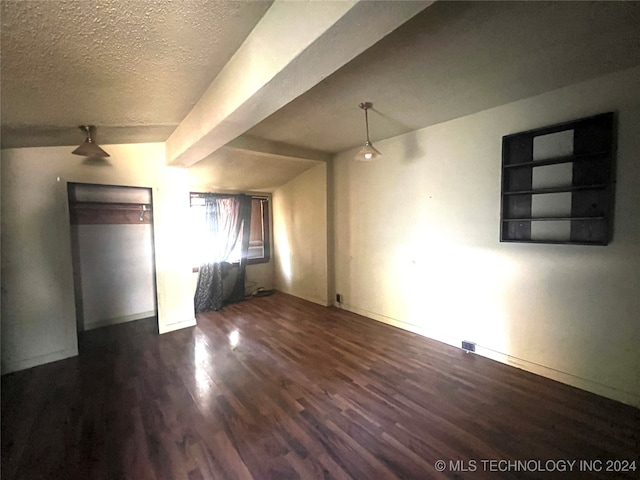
[279, 388]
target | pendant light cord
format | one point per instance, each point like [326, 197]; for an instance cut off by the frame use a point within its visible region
[366, 121]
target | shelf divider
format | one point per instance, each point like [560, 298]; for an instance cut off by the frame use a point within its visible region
[553, 161]
[538, 191]
[553, 219]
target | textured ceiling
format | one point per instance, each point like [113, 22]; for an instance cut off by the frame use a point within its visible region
[133, 68]
[136, 68]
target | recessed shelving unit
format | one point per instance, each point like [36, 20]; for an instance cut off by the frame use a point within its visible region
[558, 183]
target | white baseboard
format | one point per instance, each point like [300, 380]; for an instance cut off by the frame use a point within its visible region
[8, 367]
[319, 301]
[190, 322]
[623, 396]
[117, 320]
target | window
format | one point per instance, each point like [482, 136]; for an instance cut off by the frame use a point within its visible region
[259, 242]
[259, 245]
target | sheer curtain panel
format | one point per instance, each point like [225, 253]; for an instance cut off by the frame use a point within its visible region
[226, 220]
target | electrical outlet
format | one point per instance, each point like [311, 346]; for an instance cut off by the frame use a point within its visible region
[468, 346]
[338, 298]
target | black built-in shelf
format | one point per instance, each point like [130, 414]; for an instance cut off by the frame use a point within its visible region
[590, 186]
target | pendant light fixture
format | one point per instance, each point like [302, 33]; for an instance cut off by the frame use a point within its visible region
[368, 152]
[89, 148]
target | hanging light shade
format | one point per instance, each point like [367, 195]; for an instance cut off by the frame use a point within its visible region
[89, 148]
[368, 152]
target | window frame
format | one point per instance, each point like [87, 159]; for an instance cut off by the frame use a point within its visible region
[266, 230]
[266, 226]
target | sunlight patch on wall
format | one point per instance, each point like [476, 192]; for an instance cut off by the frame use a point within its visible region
[458, 290]
[283, 255]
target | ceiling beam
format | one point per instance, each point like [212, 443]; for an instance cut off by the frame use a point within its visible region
[293, 47]
[276, 149]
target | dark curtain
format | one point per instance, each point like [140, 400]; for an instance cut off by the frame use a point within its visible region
[228, 224]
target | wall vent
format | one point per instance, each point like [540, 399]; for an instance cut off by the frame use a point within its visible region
[468, 346]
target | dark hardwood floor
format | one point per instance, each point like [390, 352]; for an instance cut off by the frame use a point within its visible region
[279, 388]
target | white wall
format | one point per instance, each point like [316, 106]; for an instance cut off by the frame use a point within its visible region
[38, 310]
[116, 274]
[416, 245]
[300, 236]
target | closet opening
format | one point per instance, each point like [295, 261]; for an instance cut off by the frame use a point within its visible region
[112, 253]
